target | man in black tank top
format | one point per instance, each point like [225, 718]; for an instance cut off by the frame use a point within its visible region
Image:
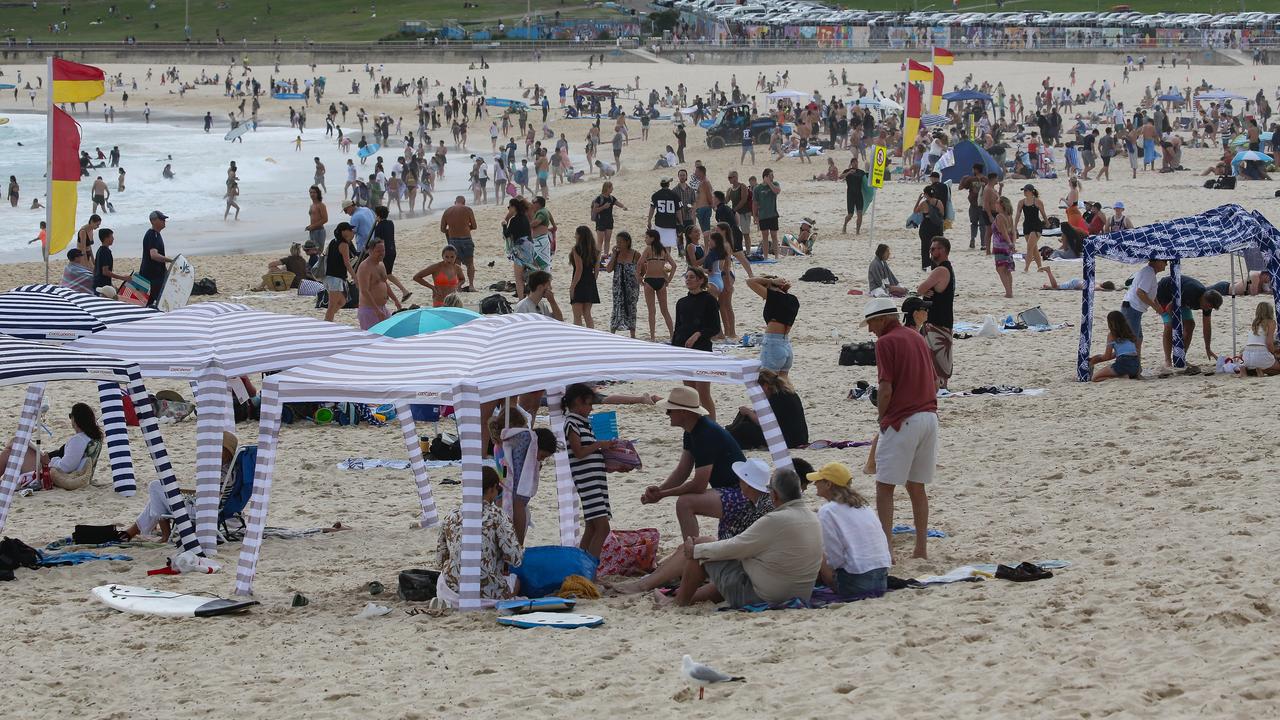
[939, 288]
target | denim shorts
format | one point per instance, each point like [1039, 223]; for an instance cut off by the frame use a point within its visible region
[775, 352]
[1127, 366]
[849, 584]
[1134, 316]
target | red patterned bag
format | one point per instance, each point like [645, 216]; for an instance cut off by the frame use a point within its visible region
[629, 552]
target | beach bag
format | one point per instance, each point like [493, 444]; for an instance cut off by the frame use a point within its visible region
[1226, 182]
[545, 567]
[861, 353]
[914, 220]
[622, 457]
[417, 585]
[629, 552]
[445, 446]
[94, 534]
[495, 305]
[15, 554]
[819, 274]
[206, 286]
[1033, 317]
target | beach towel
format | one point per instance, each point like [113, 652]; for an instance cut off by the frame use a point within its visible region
[964, 573]
[972, 328]
[65, 559]
[371, 463]
[991, 391]
[909, 530]
[833, 444]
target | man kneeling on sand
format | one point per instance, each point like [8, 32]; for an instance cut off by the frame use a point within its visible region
[774, 560]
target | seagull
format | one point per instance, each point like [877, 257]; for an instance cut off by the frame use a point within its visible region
[701, 676]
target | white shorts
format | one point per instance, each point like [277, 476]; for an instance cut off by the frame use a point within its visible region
[910, 453]
[668, 236]
[1258, 358]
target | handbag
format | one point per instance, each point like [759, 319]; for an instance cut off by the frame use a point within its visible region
[622, 457]
[629, 552]
[914, 219]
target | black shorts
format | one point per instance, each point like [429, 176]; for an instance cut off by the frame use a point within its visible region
[1106, 161]
[737, 242]
[769, 224]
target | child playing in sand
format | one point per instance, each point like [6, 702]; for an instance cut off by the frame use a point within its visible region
[1122, 346]
[586, 462]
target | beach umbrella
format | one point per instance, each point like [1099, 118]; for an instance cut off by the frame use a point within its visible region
[1172, 97]
[423, 321]
[1242, 140]
[1214, 95]
[881, 103]
[1247, 155]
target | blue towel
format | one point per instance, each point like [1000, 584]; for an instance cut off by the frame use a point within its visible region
[909, 530]
[76, 558]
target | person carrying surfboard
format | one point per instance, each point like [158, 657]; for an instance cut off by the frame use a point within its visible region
[154, 261]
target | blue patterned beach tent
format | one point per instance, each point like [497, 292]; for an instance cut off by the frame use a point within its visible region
[1222, 230]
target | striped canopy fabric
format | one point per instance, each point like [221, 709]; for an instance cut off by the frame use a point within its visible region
[1224, 229]
[485, 360]
[35, 363]
[208, 344]
[58, 314]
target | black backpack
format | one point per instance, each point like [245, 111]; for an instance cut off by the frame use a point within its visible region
[819, 274]
[860, 353]
[445, 447]
[204, 286]
[495, 305]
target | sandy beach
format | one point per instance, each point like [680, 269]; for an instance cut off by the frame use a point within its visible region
[1151, 490]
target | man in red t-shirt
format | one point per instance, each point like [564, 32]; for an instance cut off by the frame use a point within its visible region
[907, 449]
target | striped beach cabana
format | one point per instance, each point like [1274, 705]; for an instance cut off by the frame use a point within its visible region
[54, 314]
[35, 364]
[208, 344]
[483, 361]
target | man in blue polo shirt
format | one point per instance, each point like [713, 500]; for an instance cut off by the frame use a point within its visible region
[703, 481]
[362, 222]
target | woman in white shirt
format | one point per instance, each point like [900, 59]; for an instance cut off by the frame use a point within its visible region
[69, 460]
[855, 550]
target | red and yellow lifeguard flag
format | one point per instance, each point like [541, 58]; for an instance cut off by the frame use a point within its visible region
[74, 83]
[935, 98]
[943, 56]
[911, 127]
[917, 72]
[65, 177]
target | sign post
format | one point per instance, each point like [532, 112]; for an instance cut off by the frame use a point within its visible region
[879, 159]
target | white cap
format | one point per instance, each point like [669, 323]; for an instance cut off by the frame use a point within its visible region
[754, 473]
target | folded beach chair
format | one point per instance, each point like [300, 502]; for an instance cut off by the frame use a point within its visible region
[82, 477]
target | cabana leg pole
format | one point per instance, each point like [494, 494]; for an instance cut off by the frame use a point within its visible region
[142, 404]
[21, 441]
[1232, 290]
[123, 479]
[268, 436]
[213, 402]
[768, 423]
[1090, 269]
[1179, 349]
[566, 491]
[404, 413]
[467, 404]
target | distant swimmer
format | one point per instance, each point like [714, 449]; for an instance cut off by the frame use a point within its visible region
[297, 144]
[167, 172]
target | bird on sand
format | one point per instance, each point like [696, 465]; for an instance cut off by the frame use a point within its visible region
[700, 676]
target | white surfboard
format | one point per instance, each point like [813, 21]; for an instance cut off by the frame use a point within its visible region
[560, 620]
[146, 601]
[177, 285]
[239, 130]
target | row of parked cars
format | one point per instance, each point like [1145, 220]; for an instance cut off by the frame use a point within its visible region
[801, 12]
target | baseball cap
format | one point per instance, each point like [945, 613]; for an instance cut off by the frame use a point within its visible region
[1119, 205]
[157, 215]
[913, 304]
[665, 181]
[878, 307]
[311, 245]
[834, 473]
[753, 472]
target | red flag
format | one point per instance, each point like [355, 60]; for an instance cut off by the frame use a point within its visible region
[943, 56]
[912, 126]
[917, 72]
[935, 99]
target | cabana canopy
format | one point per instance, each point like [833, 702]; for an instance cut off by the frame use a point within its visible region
[208, 344]
[965, 96]
[26, 361]
[1225, 229]
[56, 314]
[789, 94]
[485, 360]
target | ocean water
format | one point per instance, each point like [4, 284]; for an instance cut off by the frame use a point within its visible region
[274, 178]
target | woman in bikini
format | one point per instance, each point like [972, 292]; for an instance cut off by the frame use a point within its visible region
[717, 263]
[443, 278]
[656, 268]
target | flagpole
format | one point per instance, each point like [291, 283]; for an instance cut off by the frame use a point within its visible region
[48, 168]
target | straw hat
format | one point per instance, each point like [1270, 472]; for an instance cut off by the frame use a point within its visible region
[683, 398]
[753, 472]
[879, 306]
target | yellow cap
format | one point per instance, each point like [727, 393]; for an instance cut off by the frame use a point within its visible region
[834, 473]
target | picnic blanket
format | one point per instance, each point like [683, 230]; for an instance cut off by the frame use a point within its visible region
[64, 559]
[1001, 391]
[371, 463]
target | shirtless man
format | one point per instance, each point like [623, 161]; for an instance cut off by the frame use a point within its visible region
[702, 204]
[320, 176]
[371, 279]
[456, 223]
[991, 207]
[101, 193]
[318, 215]
[1150, 136]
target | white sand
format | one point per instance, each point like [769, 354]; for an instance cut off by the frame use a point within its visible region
[1151, 490]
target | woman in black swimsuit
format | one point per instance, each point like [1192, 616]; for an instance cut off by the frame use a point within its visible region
[852, 176]
[1031, 210]
[656, 269]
